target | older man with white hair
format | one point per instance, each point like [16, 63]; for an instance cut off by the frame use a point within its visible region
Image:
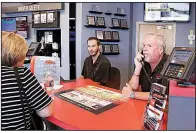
[154, 56]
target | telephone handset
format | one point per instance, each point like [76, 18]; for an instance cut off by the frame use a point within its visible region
[142, 58]
[142, 62]
[34, 48]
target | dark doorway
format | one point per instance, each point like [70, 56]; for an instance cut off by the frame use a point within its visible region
[56, 38]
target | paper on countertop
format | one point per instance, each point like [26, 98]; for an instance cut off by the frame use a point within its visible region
[56, 87]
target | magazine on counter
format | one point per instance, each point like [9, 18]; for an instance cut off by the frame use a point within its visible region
[47, 70]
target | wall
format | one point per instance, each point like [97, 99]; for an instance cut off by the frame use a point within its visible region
[64, 25]
[120, 61]
[182, 29]
[127, 43]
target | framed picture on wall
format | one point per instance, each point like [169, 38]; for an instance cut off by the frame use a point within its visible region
[115, 35]
[100, 21]
[115, 48]
[99, 34]
[107, 35]
[37, 18]
[120, 10]
[123, 23]
[50, 17]
[43, 17]
[91, 20]
[115, 22]
[107, 48]
[95, 8]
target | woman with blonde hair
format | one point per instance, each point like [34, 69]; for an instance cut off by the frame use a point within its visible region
[15, 114]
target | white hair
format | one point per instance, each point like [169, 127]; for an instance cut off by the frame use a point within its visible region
[160, 39]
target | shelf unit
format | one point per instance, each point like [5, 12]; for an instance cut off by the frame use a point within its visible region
[119, 28]
[95, 26]
[108, 13]
[109, 40]
[96, 12]
[117, 14]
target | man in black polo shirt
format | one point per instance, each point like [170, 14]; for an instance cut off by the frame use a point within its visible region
[96, 66]
[154, 58]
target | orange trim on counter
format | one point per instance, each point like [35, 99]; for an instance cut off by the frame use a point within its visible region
[175, 90]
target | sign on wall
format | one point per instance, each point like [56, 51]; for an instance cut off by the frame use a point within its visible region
[33, 7]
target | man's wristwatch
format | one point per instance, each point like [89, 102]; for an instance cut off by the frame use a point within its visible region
[132, 95]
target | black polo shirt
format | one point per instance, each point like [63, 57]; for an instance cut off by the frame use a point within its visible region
[155, 76]
[99, 71]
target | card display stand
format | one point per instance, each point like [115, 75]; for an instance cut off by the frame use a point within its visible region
[153, 115]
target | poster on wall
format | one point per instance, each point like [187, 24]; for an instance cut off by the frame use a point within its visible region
[22, 26]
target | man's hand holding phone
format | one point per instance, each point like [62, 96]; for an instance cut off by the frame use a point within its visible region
[137, 60]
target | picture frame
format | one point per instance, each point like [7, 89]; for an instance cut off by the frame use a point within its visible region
[107, 35]
[115, 48]
[43, 18]
[120, 10]
[91, 20]
[107, 48]
[115, 22]
[123, 23]
[115, 36]
[50, 17]
[95, 8]
[37, 18]
[99, 34]
[100, 21]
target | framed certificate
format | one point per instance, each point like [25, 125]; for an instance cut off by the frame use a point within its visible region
[115, 48]
[99, 34]
[100, 21]
[107, 48]
[95, 8]
[120, 10]
[43, 17]
[36, 18]
[50, 17]
[91, 20]
[107, 35]
[115, 22]
[123, 23]
[115, 35]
